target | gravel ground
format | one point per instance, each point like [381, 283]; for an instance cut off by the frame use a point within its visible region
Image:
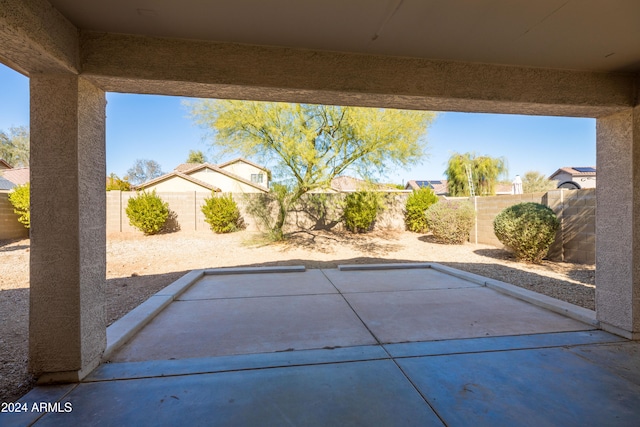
[138, 266]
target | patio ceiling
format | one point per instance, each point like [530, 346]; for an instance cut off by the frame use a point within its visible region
[590, 35]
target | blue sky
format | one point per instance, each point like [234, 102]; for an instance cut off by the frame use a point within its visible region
[158, 128]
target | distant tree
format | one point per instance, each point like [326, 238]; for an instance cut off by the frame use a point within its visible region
[196, 157]
[534, 182]
[485, 171]
[312, 144]
[14, 146]
[116, 183]
[143, 170]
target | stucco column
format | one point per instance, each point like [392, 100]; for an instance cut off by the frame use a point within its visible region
[618, 223]
[67, 320]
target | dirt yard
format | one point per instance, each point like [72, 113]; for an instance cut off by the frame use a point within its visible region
[138, 266]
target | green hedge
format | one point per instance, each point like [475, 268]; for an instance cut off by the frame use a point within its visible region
[360, 211]
[451, 222]
[147, 212]
[418, 202]
[222, 213]
[527, 229]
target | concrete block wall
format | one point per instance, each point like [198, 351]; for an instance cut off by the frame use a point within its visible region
[186, 206]
[575, 239]
[10, 228]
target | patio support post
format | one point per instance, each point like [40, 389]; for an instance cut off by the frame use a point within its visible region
[67, 320]
[618, 223]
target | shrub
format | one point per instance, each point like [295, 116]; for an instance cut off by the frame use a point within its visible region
[417, 204]
[222, 213]
[450, 222]
[527, 229]
[19, 198]
[360, 210]
[147, 212]
[270, 210]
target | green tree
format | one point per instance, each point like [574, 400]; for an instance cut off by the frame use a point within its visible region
[143, 170]
[114, 182]
[14, 146]
[416, 207]
[485, 171]
[19, 197]
[196, 157]
[534, 182]
[309, 145]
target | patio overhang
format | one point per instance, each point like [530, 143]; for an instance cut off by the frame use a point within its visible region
[72, 59]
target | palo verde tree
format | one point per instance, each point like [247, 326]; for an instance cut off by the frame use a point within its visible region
[485, 171]
[308, 145]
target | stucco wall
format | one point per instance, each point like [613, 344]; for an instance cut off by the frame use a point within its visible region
[245, 171]
[223, 182]
[174, 184]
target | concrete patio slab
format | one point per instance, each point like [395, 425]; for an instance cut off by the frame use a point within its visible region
[444, 314]
[623, 358]
[517, 342]
[395, 279]
[542, 387]
[256, 285]
[207, 365]
[202, 328]
[372, 393]
[285, 348]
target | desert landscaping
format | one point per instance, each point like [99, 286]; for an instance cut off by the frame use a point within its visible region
[139, 266]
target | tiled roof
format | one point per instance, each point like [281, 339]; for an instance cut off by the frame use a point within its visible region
[196, 167]
[576, 171]
[5, 184]
[183, 167]
[19, 176]
[176, 174]
[439, 186]
[241, 159]
[4, 164]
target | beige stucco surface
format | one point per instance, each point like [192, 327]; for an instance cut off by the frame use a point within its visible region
[138, 64]
[175, 183]
[618, 221]
[245, 170]
[70, 69]
[223, 182]
[68, 256]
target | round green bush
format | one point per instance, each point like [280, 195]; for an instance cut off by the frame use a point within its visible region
[222, 213]
[19, 198]
[450, 222]
[417, 204]
[360, 211]
[527, 229]
[147, 212]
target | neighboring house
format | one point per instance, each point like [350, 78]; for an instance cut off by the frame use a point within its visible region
[237, 176]
[575, 178]
[4, 165]
[5, 184]
[18, 176]
[440, 188]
